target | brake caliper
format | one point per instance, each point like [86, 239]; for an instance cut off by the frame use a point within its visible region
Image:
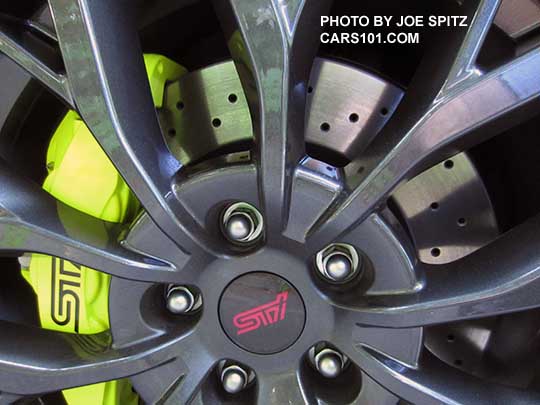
[73, 298]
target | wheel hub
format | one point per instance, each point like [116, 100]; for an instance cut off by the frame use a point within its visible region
[262, 313]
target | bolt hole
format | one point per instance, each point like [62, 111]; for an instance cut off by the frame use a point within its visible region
[310, 89]
[353, 117]
[384, 111]
[435, 252]
[449, 164]
[434, 206]
[172, 132]
[462, 221]
[451, 338]
[180, 105]
[233, 98]
[458, 362]
[325, 127]
[216, 122]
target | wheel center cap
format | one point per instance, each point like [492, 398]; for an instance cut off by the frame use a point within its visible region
[262, 313]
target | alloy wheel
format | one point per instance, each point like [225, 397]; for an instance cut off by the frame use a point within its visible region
[264, 273]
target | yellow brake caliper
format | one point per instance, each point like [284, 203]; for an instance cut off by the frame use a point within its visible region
[73, 298]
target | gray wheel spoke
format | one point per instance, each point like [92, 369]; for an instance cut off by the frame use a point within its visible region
[146, 238]
[280, 388]
[434, 382]
[108, 80]
[451, 109]
[31, 220]
[178, 381]
[49, 361]
[274, 46]
[34, 55]
[502, 277]
[8, 399]
[374, 393]
[481, 16]
[304, 209]
[193, 371]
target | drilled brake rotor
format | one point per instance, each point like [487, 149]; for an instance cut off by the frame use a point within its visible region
[446, 209]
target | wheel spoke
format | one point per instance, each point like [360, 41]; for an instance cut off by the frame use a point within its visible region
[35, 361]
[189, 385]
[466, 48]
[281, 388]
[33, 221]
[274, 45]
[108, 81]
[467, 108]
[434, 382]
[8, 399]
[311, 178]
[502, 277]
[147, 238]
[33, 54]
[374, 393]
[179, 381]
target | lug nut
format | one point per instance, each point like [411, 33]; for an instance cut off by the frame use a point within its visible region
[338, 263]
[239, 226]
[338, 266]
[329, 362]
[234, 379]
[242, 223]
[181, 300]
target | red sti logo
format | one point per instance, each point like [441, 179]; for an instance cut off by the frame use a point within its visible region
[263, 315]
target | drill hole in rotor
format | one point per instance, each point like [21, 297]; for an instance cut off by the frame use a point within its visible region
[233, 98]
[435, 252]
[384, 111]
[325, 127]
[353, 117]
[461, 222]
[310, 89]
[216, 122]
[172, 132]
[434, 206]
[180, 105]
[449, 164]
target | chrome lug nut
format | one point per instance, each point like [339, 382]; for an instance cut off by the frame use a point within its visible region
[242, 223]
[338, 263]
[329, 362]
[338, 266]
[239, 226]
[181, 300]
[234, 379]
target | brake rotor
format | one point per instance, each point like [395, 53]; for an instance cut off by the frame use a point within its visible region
[446, 209]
